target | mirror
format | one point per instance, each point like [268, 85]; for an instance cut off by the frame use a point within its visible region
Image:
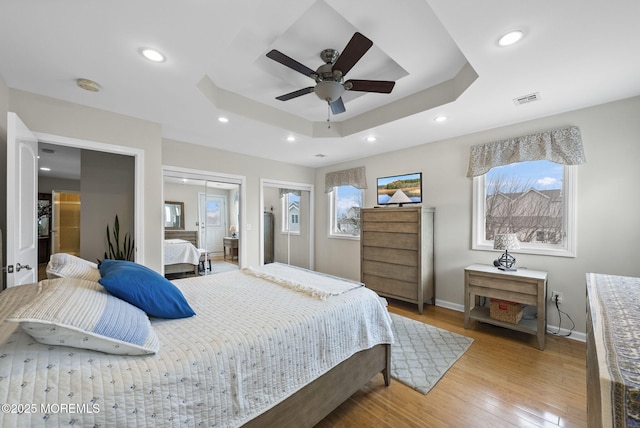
[173, 215]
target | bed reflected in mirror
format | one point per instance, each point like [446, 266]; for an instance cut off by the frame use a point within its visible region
[173, 215]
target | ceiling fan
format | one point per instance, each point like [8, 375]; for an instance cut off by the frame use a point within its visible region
[329, 77]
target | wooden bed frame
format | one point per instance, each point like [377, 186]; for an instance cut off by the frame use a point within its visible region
[187, 235]
[315, 401]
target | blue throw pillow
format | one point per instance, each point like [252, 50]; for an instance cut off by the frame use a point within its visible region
[144, 288]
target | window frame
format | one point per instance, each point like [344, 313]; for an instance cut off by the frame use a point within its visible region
[567, 249]
[286, 217]
[333, 214]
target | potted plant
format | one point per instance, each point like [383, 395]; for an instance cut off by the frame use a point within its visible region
[114, 251]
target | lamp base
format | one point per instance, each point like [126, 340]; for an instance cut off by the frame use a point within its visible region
[506, 262]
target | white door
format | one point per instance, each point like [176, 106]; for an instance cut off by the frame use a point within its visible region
[22, 196]
[213, 222]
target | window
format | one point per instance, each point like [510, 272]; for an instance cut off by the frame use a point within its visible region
[344, 204]
[291, 213]
[534, 199]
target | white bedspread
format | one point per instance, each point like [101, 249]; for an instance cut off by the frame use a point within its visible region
[180, 251]
[252, 344]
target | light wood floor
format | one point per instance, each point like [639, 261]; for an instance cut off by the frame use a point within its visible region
[503, 380]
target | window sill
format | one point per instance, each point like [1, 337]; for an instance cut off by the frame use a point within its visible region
[345, 237]
[553, 252]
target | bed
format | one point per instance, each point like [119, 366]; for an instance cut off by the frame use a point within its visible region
[271, 346]
[181, 254]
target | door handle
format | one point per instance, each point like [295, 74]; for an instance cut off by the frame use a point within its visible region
[19, 267]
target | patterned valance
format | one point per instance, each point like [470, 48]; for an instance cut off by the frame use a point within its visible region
[563, 146]
[292, 191]
[355, 177]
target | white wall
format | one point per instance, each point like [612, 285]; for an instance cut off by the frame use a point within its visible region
[608, 205]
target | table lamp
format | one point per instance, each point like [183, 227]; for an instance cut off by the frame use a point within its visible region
[233, 230]
[506, 242]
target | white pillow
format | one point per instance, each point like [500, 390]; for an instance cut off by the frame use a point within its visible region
[62, 265]
[82, 314]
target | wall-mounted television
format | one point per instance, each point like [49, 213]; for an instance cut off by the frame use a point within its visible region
[400, 189]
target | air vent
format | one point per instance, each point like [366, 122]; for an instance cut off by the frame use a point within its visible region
[527, 98]
[320, 155]
[50, 151]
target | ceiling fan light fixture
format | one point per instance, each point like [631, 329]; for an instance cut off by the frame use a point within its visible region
[328, 90]
[510, 38]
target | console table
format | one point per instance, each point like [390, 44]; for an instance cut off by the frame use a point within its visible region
[232, 245]
[522, 286]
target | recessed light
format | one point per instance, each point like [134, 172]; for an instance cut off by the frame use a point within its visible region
[223, 119]
[510, 38]
[152, 55]
[291, 138]
[44, 168]
[440, 119]
[371, 139]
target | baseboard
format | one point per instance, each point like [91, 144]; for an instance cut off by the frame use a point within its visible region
[575, 335]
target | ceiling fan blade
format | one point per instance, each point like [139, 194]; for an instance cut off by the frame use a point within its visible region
[295, 94]
[337, 106]
[355, 49]
[289, 62]
[382, 86]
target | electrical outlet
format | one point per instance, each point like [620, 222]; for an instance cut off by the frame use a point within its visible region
[553, 296]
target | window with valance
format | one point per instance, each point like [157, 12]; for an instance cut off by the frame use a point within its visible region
[345, 190]
[526, 185]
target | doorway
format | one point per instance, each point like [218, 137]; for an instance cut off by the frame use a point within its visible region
[213, 210]
[213, 222]
[287, 225]
[17, 175]
[65, 216]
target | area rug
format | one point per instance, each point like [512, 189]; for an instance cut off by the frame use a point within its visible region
[218, 266]
[422, 353]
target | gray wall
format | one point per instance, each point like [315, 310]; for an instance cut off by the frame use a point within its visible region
[607, 211]
[106, 190]
[48, 184]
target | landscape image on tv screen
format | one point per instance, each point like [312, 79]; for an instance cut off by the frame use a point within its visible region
[400, 189]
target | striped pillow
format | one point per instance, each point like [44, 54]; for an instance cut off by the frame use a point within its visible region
[62, 265]
[82, 314]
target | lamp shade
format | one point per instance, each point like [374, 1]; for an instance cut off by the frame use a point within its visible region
[506, 241]
[232, 229]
